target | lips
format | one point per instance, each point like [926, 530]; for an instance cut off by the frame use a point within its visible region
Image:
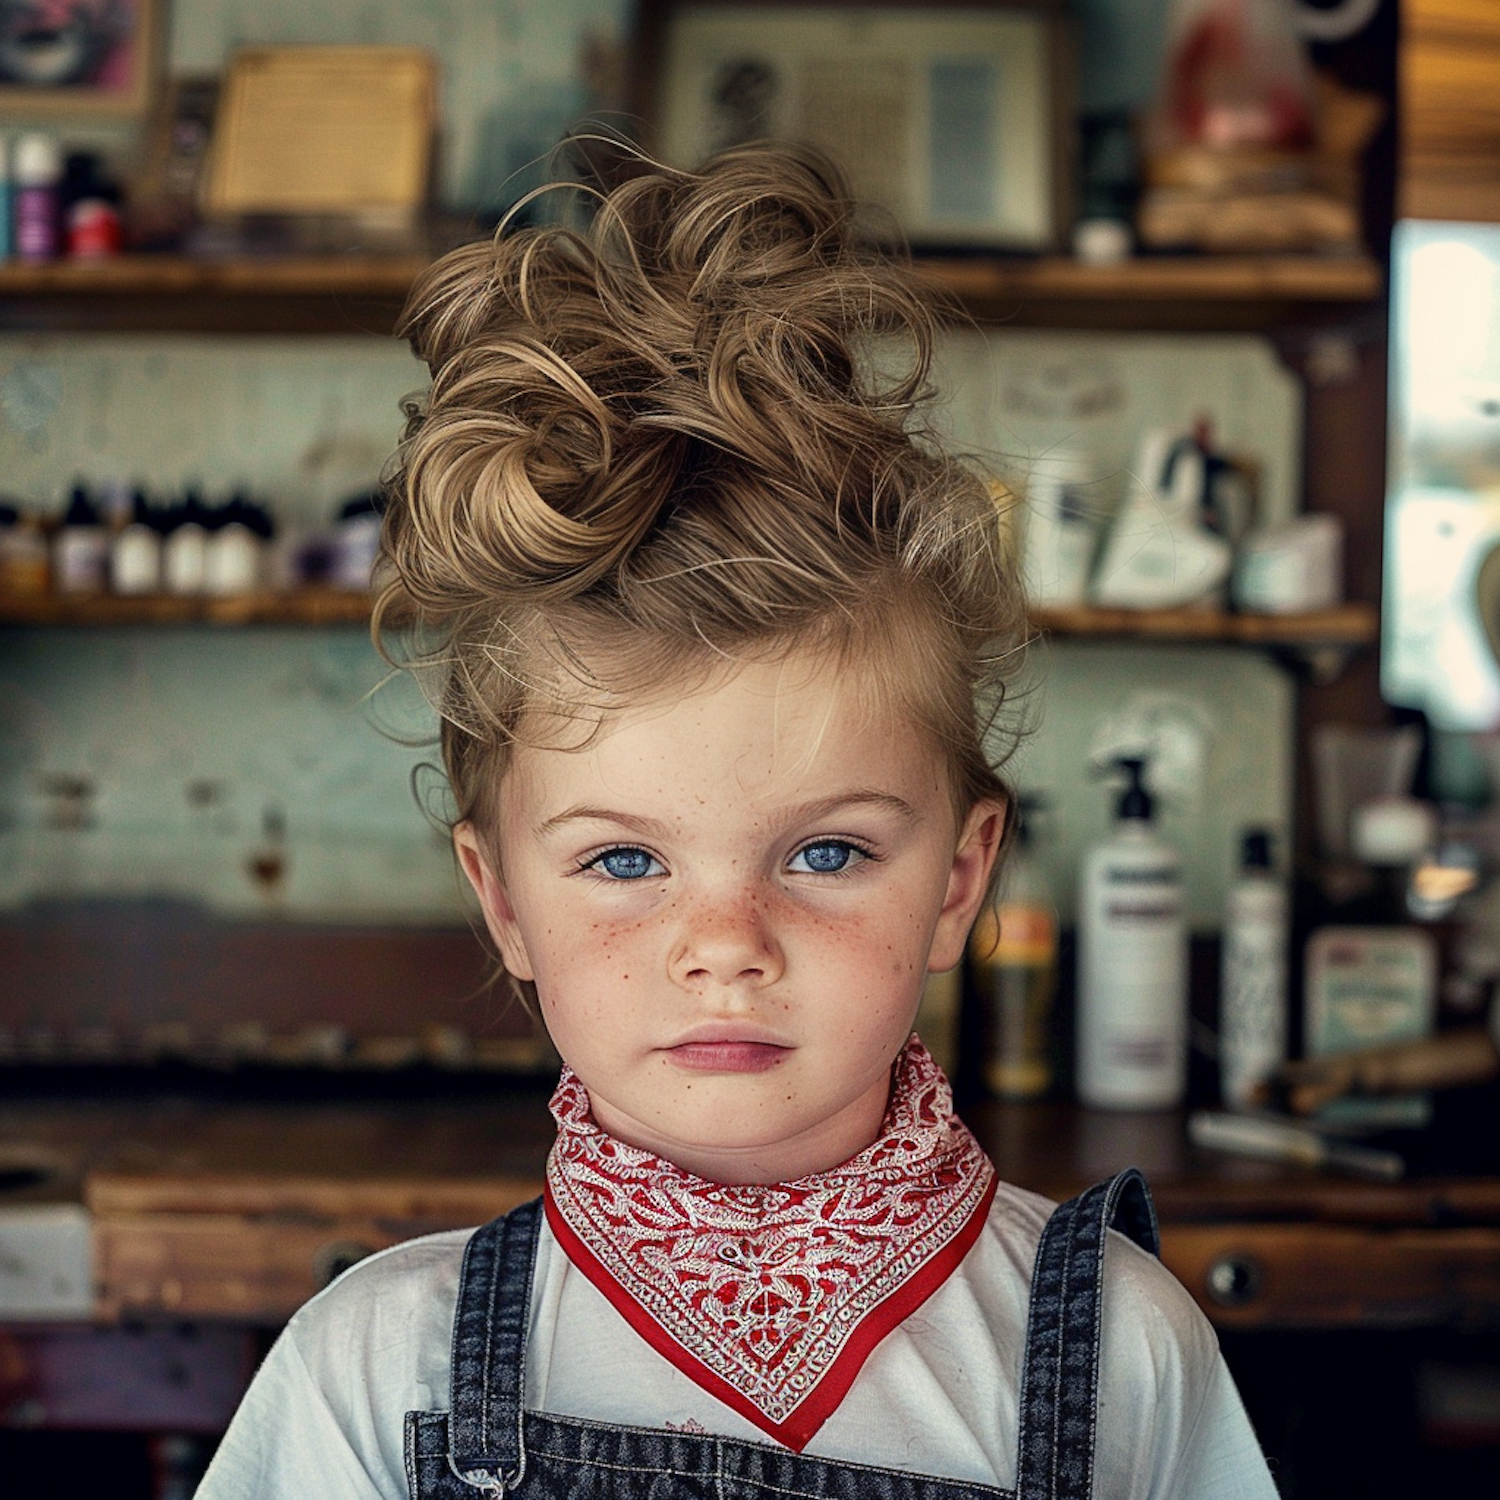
[727, 1055]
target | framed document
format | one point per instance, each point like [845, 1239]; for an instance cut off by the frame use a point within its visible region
[323, 130]
[951, 117]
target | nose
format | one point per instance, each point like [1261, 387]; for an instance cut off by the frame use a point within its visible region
[728, 941]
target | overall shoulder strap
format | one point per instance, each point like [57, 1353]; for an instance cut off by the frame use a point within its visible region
[1060, 1375]
[489, 1346]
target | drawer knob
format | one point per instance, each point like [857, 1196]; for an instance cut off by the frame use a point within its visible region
[1234, 1280]
[332, 1260]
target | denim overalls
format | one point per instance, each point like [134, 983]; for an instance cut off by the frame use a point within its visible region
[488, 1445]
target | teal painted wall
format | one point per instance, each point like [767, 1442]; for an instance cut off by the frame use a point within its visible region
[186, 739]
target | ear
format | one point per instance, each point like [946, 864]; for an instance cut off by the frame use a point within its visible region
[494, 901]
[968, 882]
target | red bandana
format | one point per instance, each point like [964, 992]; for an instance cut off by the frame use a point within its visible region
[772, 1297]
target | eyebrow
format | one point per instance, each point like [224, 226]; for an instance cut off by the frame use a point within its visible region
[822, 807]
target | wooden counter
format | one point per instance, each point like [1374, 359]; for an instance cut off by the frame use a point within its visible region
[240, 1212]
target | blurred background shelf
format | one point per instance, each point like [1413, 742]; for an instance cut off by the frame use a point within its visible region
[1227, 293]
[311, 606]
[1349, 625]
[363, 293]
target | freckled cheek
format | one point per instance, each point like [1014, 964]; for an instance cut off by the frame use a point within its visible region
[895, 936]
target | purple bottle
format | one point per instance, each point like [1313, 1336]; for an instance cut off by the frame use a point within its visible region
[38, 197]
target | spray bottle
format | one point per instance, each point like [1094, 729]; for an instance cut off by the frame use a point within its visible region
[1253, 989]
[1132, 961]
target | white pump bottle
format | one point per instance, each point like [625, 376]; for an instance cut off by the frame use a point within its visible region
[1132, 962]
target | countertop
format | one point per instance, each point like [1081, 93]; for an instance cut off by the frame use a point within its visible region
[238, 1211]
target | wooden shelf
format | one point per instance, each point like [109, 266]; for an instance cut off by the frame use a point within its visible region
[304, 607]
[1174, 278]
[353, 293]
[173, 293]
[144, 275]
[1350, 625]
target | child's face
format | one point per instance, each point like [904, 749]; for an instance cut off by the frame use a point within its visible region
[729, 903]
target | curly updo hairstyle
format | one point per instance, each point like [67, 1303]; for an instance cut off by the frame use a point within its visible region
[686, 435]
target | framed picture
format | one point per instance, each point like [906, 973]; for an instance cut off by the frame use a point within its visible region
[952, 117]
[77, 57]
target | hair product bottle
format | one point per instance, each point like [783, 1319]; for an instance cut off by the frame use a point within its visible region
[1253, 990]
[135, 553]
[1132, 962]
[80, 548]
[1013, 961]
[7, 194]
[37, 204]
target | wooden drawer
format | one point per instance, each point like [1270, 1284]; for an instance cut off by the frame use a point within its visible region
[1336, 1276]
[227, 1256]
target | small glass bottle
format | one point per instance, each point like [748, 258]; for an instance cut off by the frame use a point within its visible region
[185, 550]
[1013, 959]
[235, 559]
[80, 549]
[25, 566]
[135, 554]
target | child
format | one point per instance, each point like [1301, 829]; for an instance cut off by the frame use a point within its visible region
[720, 636]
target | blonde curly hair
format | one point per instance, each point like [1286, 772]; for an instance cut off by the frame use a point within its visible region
[672, 440]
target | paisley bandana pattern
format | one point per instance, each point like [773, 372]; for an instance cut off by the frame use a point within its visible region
[771, 1297]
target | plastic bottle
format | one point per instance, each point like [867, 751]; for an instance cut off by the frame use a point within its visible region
[90, 209]
[1132, 962]
[234, 561]
[135, 553]
[37, 173]
[1013, 961]
[357, 541]
[185, 550]
[7, 192]
[1059, 533]
[1253, 989]
[80, 550]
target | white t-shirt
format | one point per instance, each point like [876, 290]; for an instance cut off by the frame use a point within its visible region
[939, 1395]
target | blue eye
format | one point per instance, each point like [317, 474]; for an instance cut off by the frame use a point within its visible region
[826, 858]
[626, 864]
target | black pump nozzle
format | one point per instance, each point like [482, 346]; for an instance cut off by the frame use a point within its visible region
[1255, 849]
[1135, 804]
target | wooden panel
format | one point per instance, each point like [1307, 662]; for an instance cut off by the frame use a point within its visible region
[1325, 1276]
[126, 981]
[1450, 110]
[247, 1268]
[258, 1267]
[440, 1201]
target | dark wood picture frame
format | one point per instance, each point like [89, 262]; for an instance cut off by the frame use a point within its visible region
[1053, 122]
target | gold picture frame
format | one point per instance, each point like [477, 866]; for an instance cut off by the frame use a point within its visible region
[953, 117]
[90, 58]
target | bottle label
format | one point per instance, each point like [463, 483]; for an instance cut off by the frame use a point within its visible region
[1163, 875]
[36, 227]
